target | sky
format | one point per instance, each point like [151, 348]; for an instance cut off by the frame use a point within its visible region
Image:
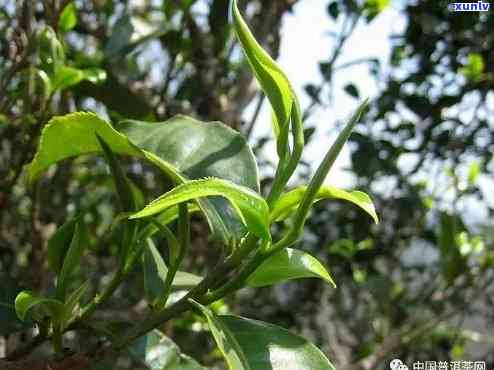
[305, 42]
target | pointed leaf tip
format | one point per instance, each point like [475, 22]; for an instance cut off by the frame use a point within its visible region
[268, 73]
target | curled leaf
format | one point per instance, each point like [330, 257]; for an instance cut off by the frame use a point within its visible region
[272, 79]
[26, 300]
[250, 206]
[288, 264]
[288, 202]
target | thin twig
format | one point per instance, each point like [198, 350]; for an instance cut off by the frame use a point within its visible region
[255, 116]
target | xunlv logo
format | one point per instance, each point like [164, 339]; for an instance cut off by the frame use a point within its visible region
[470, 7]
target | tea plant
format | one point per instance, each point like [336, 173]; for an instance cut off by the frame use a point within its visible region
[214, 174]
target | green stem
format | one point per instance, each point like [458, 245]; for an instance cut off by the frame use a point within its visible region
[57, 340]
[112, 286]
[184, 243]
[109, 290]
[212, 279]
[285, 171]
[317, 181]
[238, 281]
[173, 243]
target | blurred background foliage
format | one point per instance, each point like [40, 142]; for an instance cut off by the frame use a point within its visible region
[419, 286]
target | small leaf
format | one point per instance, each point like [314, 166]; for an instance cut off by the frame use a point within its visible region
[334, 9]
[72, 258]
[373, 7]
[9, 321]
[255, 345]
[288, 264]
[51, 51]
[68, 17]
[185, 280]
[128, 33]
[250, 206]
[26, 300]
[352, 90]
[272, 79]
[289, 202]
[474, 68]
[157, 352]
[473, 172]
[66, 77]
[59, 244]
[77, 132]
[347, 248]
[120, 37]
[154, 350]
[313, 91]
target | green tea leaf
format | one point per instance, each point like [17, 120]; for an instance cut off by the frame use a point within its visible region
[156, 351]
[255, 345]
[250, 206]
[120, 37]
[9, 322]
[373, 7]
[473, 172]
[288, 264]
[352, 90]
[183, 148]
[226, 341]
[77, 132]
[72, 258]
[185, 280]
[26, 300]
[273, 81]
[68, 17]
[59, 244]
[474, 68]
[66, 77]
[196, 150]
[128, 33]
[51, 51]
[288, 202]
